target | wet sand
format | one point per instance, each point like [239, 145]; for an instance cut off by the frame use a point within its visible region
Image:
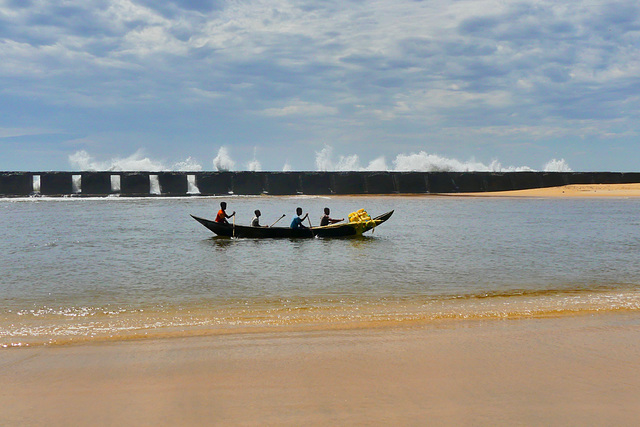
[568, 191]
[577, 370]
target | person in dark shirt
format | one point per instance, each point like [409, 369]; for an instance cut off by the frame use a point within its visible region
[326, 219]
[222, 215]
[297, 221]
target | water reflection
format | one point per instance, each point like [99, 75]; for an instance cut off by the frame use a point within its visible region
[219, 242]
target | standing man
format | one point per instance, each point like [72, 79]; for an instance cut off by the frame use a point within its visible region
[326, 219]
[297, 221]
[222, 215]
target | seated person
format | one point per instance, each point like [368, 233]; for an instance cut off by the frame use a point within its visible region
[222, 215]
[255, 222]
[297, 221]
[326, 219]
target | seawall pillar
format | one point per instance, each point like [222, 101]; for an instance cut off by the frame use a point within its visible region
[16, 183]
[173, 183]
[56, 183]
[95, 183]
[283, 183]
[135, 184]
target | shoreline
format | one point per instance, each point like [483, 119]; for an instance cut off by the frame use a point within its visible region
[301, 315]
[565, 191]
[566, 370]
[631, 190]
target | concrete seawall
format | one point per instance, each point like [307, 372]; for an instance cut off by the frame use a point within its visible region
[149, 184]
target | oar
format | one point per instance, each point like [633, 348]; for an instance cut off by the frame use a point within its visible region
[310, 226]
[234, 225]
[283, 215]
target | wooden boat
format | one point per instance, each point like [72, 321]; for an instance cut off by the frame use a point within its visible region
[344, 229]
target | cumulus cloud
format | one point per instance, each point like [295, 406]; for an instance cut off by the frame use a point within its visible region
[515, 71]
[492, 52]
[18, 132]
[301, 108]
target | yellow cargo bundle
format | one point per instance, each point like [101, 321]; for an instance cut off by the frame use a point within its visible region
[359, 216]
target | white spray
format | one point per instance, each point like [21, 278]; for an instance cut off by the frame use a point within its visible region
[418, 162]
[222, 161]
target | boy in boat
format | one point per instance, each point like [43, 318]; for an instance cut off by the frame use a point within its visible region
[297, 221]
[255, 222]
[222, 215]
[326, 219]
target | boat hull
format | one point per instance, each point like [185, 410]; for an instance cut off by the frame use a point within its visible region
[334, 230]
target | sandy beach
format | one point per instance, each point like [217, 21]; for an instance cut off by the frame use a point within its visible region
[582, 370]
[568, 370]
[568, 191]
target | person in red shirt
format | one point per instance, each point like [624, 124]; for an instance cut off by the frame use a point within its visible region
[222, 215]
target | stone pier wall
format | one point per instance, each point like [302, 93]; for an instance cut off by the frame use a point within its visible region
[145, 184]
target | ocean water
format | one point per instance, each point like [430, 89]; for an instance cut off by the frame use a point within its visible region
[84, 270]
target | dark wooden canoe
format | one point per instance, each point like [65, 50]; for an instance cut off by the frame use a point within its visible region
[333, 230]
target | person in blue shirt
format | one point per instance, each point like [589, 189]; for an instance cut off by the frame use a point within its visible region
[297, 221]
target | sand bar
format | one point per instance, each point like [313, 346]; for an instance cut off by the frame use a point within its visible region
[581, 370]
[568, 191]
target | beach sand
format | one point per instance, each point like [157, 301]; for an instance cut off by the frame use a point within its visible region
[576, 370]
[568, 191]
[573, 370]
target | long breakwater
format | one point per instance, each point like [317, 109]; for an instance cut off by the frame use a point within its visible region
[148, 184]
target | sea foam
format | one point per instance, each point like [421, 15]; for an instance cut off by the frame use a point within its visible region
[324, 161]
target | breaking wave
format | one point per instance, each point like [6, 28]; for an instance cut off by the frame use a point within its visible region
[135, 162]
[324, 161]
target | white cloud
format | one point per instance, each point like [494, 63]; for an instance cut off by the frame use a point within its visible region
[17, 132]
[405, 72]
[301, 108]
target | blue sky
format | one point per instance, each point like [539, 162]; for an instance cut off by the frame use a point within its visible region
[289, 84]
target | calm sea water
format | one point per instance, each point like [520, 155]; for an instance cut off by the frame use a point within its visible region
[115, 268]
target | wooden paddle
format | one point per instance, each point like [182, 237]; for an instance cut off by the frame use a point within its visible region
[310, 226]
[283, 215]
[234, 225]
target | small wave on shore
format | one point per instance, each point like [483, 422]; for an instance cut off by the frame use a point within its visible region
[67, 325]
